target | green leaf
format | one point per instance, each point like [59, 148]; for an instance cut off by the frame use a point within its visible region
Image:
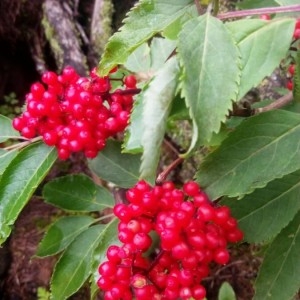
[77, 193]
[280, 267]
[262, 44]
[287, 2]
[261, 149]
[139, 60]
[7, 131]
[61, 233]
[119, 168]
[208, 92]
[75, 265]
[19, 181]
[226, 292]
[248, 4]
[157, 105]
[5, 158]
[256, 212]
[296, 79]
[109, 237]
[146, 19]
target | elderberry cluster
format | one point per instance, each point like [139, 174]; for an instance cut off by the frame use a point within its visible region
[169, 237]
[76, 113]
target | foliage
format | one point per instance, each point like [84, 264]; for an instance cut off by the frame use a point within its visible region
[196, 68]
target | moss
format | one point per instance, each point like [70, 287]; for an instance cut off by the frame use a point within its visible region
[54, 44]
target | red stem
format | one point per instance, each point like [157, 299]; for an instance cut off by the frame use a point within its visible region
[259, 11]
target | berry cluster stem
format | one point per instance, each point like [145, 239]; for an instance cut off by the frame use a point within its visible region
[259, 11]
[164, 174]
[23, 144]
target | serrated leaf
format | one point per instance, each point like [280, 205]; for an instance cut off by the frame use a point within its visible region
[208, 92]
[226, 292]
[280, 267]
[61, 233]
[261, 149]
[7, 131]
[262, 45]
[157, 105]
[139, 60]
[19, 181]
[77, 193]
[5, 158]
[134, 130]
[114, 166]
[146, 19]
[296, 79]
[263, 213]
[75, 265]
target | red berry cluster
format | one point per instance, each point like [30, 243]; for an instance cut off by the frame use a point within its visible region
[296, 34]
[76, 113]
[290, 75]
[169, 237]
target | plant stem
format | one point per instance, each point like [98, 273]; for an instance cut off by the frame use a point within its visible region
[198, 6]
[103, 218]
[282, 101]
[22, 144]
[163, 175]
[259, 11]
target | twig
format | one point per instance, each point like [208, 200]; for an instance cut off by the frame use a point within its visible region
[163, 175]
[259, 11]
[282, 101]
[22, 144]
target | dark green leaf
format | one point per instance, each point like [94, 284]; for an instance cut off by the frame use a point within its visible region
[77, 193]
[263, 213]
[226, 292]
[7, 131]
[296, 79]
[157, 104]
[119, 168]
[208, 92]
[262, 44]
[279, 274]
[145, 20]
[19, 181]
[261, 149]
[248, 4]
[5, 158]
[61, 233]
[75, 265]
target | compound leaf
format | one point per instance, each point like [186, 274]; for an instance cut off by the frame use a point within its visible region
[208, 92]
[262, 44]
[261, 149]
[263, 213]
[61, 233]
[19, 181]
[145, 20]
[119, 168]
[156, 108]
[77, 193]
[75, 265]
[280, 267]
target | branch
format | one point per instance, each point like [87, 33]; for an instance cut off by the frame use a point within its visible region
[282, 101]
[259, 11]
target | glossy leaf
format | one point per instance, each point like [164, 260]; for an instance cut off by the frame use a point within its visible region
[19, 181]
[157, 104]
[5, 158]
[262, 45]
[119, 168]
[77, 193]
[7, 131]
[256, 212]
[145, 20]
[208, 92]
[75, 265]
[280, 267]
[226, 292]
[61, 233]
[261, 149]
